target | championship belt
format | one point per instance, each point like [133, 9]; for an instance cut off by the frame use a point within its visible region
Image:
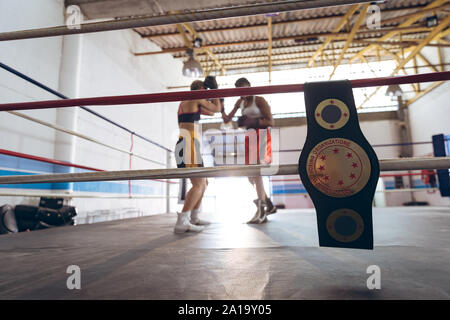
[338, 167]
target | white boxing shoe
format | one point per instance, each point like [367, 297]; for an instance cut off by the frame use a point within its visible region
[260, 214]
[196, 220]
[184, 225]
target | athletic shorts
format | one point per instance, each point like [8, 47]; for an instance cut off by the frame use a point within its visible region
[188, 152]
[258, 146]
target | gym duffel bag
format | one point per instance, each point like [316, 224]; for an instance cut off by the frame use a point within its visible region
[26, 217]
[8, 223]
[57, 217]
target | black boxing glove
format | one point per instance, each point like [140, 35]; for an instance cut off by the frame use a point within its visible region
[249, 123]
[210, 82]
[241, 121]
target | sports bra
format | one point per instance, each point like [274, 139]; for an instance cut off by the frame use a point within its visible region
[252, 111]
[189, 116]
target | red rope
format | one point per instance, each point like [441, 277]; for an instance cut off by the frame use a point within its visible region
[131, 159]
[218, 93]
[381, 176]
[42, 159]
[60, 163]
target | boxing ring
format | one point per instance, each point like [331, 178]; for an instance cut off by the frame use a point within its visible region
[142, 258]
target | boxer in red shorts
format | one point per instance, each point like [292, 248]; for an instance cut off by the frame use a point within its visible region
[257, 119]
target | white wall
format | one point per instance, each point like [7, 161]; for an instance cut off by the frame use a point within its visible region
[430, 115]
[39, 59]
[108, 67]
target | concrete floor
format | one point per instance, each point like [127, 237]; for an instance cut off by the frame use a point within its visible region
[142, 259]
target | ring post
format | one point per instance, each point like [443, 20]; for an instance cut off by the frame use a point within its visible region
[443, 175]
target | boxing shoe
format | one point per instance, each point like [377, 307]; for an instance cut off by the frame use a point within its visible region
[183, 223]
[260, 214]
[270, 208]
[196, 220]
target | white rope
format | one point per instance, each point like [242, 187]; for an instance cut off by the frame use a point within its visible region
[78, 195]
[208, 172]
[174, 18]
[377, 191]
[56, 127]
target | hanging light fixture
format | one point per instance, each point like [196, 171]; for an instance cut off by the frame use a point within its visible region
[198, 42]
[192, 67]
[432, 21]
[394, 90]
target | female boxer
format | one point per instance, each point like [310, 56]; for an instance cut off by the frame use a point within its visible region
[188, 154]
[256, 115]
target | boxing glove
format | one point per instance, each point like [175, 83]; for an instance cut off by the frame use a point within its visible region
[210, 82]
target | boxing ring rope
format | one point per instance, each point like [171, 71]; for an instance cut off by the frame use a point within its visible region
[209, 172]
[433, 190]
[60, 95]
[147, 21]
[47, 160]
[82, 136]
[253, 170]
[409, 190]
[373, 146]
[82, 196]
[58, 162]
[381, 176]
[216, 93]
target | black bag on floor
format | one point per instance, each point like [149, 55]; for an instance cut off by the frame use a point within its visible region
[8, 223]
[24, 212]
[57, 217]
[52, 203]
[26, 217]
[27, 225]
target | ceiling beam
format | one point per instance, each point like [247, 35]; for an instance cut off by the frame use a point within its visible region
[194, 34]
[440, 58]
[405, 43]
[411, 15]
[424, 92]
[269, 45]
[263, 55]
[287, 23]
[275, 67]
[276, 51]
[416, 86]
[434, 35]
[305, 37]
[437, 31]
[190, 16]
[187, 41]
[338, 28]
[407, 23]
[426, 62]
[274, 61]
[352, 34]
